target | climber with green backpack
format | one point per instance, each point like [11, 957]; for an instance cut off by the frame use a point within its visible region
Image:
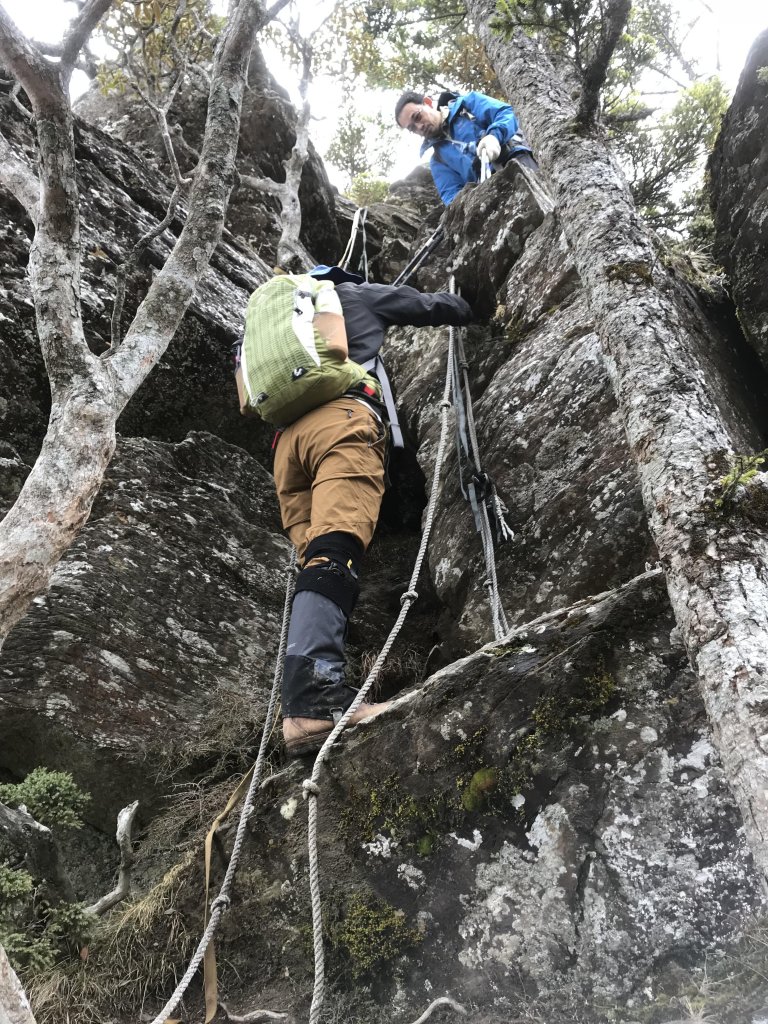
[310, 364]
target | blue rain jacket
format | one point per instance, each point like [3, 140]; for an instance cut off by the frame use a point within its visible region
[454, 159]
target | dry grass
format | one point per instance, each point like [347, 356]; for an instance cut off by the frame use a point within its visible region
[138, 956]
[401, 669]
[225, 742]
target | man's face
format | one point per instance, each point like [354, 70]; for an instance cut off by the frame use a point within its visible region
[421, 119]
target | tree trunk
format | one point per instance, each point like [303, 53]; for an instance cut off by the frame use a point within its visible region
[56, 498]
[716, 569]
[89, 393]
[14, 1006]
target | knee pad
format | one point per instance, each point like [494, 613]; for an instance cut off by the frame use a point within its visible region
[340, 547]
[335, 578]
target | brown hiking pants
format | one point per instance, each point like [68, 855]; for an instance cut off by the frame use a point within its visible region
[329, 473]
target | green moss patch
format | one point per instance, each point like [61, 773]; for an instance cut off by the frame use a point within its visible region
[374, 934]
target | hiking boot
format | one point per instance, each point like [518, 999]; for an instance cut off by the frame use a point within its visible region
[307, 735]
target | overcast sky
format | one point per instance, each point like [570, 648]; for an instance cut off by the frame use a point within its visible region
[719, 42]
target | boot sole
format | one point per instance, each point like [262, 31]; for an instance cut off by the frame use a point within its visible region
[302, 745]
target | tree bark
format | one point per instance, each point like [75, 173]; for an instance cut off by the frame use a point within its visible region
[36, 845]
[88, 393]
[14, 1005]
[716, 569]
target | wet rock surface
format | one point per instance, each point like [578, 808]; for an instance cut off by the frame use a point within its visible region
[739, 176]
[171, 594]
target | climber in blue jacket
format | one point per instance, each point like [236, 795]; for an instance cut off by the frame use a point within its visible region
[460, 130]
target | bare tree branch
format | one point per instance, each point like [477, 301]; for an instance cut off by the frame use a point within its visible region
[125, 843]
[26, 63]
[24, 111]
[160, 313]
[629, 116]
[89, 393]
[611, 27]
[54, 261]
[80, 31]
[290, 251]
[131, 260]
[274, 188]
[254, 1017]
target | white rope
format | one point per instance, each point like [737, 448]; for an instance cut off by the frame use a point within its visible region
[310, 787]
[538, 189]
[222, 901]
[347, 254]
[358, 223]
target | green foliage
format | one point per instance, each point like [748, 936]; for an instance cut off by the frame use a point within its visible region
[53, 798]
[35, 933]
[366, 190]
[153, 46]
[49, 933]
[30, 955]
[373, 934]
[15, 884]
[658, 152]
[573, 34]
[744, 469]
[362, 145]
[660, 157]
[399, 44]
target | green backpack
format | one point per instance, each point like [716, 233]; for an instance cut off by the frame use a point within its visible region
[286, 368]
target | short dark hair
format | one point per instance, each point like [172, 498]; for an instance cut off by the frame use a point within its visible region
[408, 97]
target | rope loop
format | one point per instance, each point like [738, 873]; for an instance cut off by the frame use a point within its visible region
[445, 403]
[310, 788]
[221, 903]
[409, 595]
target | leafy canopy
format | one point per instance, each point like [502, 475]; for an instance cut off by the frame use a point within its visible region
[153, 41]
[362, 145]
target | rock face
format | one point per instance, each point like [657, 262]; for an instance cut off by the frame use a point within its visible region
[539, 828]
[122, 197]
[739, 190]
[267, 135]
[556, 828]
[183, 537]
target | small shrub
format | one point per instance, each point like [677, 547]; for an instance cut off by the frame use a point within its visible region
[52, 798]
[366, 190]
[14, 885]
[744, 469]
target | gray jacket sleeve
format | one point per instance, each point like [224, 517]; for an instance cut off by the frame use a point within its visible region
[405, 305]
